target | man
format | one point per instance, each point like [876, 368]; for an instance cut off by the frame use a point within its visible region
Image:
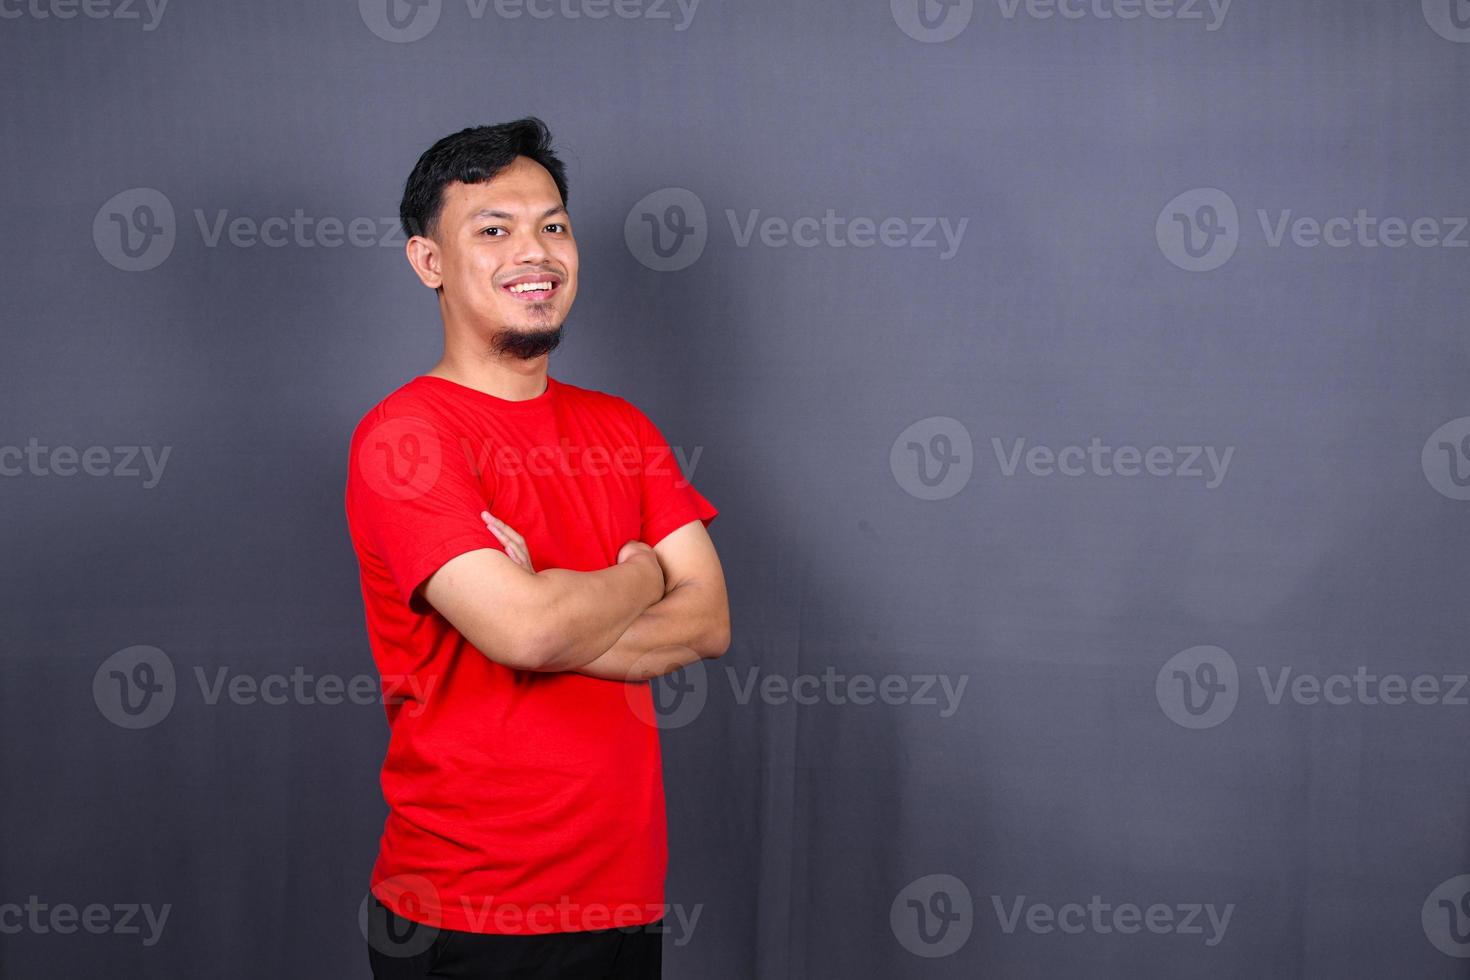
[530, 556]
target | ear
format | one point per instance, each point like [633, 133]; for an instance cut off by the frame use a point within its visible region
[423, 255]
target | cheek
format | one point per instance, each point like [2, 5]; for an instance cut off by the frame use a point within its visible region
[568, 257]
[479, 274]
[458, 267]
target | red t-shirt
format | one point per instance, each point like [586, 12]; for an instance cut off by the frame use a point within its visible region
[518, 801]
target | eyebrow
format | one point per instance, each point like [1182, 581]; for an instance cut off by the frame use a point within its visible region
[492, 213]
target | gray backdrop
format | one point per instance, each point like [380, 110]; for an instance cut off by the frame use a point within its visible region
[1083, 389]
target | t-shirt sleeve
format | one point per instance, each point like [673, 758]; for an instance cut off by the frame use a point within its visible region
[669, 499]
[412, 500]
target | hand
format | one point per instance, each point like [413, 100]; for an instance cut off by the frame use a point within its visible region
[515, 545]
[637, 551]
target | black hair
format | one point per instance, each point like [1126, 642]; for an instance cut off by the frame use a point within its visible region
[472, 156]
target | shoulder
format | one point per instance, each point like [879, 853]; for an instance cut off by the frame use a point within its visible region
[408, 405]
[600, 402]
[401, 446]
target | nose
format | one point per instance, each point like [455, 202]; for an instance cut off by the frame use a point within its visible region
[531, 250]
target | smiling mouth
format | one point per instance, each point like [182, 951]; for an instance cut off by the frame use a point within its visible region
[534, 290]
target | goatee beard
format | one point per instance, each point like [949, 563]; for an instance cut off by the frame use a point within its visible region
[526, 344]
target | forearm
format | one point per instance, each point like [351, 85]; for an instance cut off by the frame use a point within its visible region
[586, 612]
[686, 625]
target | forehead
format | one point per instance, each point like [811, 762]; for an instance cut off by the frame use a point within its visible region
[523, 187]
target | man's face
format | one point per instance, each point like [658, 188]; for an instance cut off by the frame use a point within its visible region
[511, 231]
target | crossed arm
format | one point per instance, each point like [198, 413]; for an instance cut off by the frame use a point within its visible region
[654, 611]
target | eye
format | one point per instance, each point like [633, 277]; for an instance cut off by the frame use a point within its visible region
[557, 224]
[490, 229]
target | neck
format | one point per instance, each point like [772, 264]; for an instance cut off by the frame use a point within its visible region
[504, 377]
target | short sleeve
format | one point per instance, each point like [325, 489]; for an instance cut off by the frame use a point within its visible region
[669, 500]
[411, 500]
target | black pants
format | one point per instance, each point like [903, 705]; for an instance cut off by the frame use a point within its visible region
[399, 949]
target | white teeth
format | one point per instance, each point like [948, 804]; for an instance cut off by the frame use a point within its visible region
[526, 287]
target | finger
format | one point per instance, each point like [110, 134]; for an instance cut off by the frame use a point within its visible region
[502, 532]
[494, 522]
[513, 554]
[508, 545]
[514, 544]
[514, 534]
[516, 551]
